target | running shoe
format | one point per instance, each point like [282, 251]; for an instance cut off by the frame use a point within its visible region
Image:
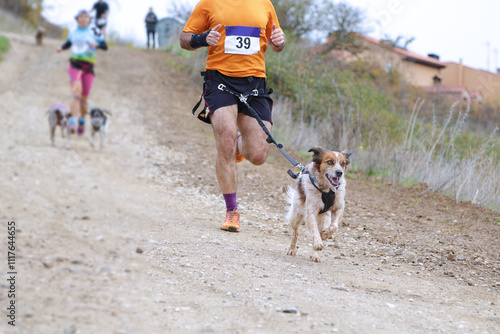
[232, 222]
[81, 129]
[81, 126]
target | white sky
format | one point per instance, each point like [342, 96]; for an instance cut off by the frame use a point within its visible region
[453, 29]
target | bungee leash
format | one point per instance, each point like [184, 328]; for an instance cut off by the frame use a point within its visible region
[89, 105]
[270, 139]
[244, 99]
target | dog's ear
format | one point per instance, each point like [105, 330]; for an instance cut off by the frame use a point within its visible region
[346, 154]
[318, 153]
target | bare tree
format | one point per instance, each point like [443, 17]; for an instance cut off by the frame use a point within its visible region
[397, 42]
[341, 21]
[181, 10]
[296, 16]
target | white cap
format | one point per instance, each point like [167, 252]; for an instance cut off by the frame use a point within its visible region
[82, 11]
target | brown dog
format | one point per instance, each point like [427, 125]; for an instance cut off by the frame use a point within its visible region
[40, 32]
[318, 198]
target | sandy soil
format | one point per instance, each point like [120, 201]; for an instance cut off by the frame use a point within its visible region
[128, 240]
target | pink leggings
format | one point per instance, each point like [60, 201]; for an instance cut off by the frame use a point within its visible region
[86, 78]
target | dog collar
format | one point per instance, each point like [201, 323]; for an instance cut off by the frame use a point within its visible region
[328, 198]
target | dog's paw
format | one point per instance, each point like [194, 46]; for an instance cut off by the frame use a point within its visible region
[318, 245]
[292, 251]
[325, 235]
[315, 257]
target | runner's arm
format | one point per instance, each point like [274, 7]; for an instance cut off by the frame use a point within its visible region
[277, 39]
[65, 46]
[102, 45]
[185, 40]
[191, 41]
[105, 14]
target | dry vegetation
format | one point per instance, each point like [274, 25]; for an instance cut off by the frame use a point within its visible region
[363, 108]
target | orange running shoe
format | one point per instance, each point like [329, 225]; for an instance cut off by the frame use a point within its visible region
[239, 157]
[232, 222]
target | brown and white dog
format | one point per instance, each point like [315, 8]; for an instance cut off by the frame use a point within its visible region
[318, 198]
[59, 115]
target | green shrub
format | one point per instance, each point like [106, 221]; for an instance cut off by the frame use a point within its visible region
[4, 45]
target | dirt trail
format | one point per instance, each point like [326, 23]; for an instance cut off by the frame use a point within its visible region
[127, 241]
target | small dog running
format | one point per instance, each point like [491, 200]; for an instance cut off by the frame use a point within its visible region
[99, 123]
[318, 198]
[59, 115]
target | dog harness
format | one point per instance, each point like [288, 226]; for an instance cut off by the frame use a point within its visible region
[327, 198]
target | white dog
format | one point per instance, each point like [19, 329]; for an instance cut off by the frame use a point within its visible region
[318, 198]
[59, 115]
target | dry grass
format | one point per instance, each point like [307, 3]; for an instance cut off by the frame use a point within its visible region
[11, 23]
[428, 153]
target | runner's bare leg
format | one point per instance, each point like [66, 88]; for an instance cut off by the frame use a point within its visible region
[252, 144]
[224, 126]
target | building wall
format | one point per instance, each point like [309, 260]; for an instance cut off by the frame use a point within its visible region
[413, 73]
[449, 75]
[473, 79]
[168, 30]
[418, 74]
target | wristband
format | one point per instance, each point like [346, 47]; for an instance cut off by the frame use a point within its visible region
[199, 40]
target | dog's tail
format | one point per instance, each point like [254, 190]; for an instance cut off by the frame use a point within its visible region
[290, 196]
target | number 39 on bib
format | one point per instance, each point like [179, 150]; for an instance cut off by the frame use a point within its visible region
[242, 40]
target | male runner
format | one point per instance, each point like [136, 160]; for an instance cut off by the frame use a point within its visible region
[237, 33]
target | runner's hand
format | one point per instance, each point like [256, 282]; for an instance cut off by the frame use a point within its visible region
[214, 36]
[93, 45]
[59, 49]
[277, 36]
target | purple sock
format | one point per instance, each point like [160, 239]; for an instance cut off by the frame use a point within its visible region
[230, 201]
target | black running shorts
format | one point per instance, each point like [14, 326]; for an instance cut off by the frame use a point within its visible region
[216, 98]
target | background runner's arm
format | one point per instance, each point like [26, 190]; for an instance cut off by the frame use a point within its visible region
[105, 14]
[102, 45]
[66, 45]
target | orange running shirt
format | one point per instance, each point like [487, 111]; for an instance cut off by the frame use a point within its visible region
[246, 26]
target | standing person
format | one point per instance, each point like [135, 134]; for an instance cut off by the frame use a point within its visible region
[237, 33]
[101, 17]
[83, 43]
[151, 21]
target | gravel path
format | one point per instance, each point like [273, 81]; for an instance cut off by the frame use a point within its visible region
[127, 240]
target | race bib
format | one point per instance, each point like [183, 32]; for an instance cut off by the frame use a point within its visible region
[101, 21]
[242, 40]
[80, 47]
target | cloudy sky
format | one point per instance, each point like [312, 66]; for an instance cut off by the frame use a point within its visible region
[453, 29]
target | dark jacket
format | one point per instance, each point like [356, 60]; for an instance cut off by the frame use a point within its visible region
[151, 26]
